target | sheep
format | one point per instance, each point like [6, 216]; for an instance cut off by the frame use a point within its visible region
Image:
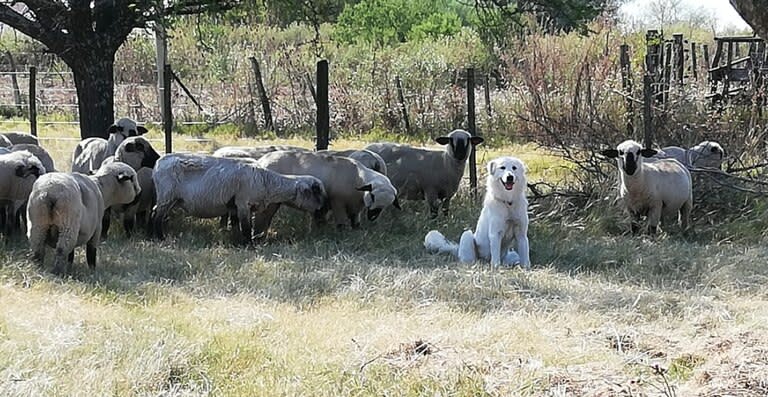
[38, 151]
[652, 188]
[365, 157]
[65, 211]
[253, 152]
[433, 175]
[139, 154]
[207, 186]
[17, 138]
[18, 172]
[351, 186]
[707, 154]
[91, 152]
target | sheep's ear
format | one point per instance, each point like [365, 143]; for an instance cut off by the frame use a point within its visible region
[476, 140]
[610, 153]
[491, 167]
[141, 130]
[366, 188]
[443, 140]
[648, 152]
[396, 203]
[114, 128]
[130, 147]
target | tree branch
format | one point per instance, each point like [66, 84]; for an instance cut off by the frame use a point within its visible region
[23, 24]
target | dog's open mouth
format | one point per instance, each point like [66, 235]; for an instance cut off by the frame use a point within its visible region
[508, 184]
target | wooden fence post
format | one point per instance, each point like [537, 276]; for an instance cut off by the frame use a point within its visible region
[265, 106]
[403, 107]
[322, 123]
[626, 83]
[33, 100]
[694, 68]
[647, 114]
[488, 109]
[167, 113]
[472, 129]
[678, 57]
[667, 74]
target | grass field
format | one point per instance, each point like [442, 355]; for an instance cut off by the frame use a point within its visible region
[325, 313]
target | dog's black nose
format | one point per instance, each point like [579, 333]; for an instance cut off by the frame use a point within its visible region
[510, 179]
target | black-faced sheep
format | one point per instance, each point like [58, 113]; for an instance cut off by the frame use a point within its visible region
[91, 152]
[207, 186]
[38, 151]
[65, 211]
[652, 188]
[351, 186]
[434, 175]
[18, 172]
[707, 154]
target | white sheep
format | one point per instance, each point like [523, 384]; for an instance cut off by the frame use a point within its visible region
[91, 152]
[351, 186]
[18, 172]
[66, 210]
[364, 156]
[207, 187]
[39, 152]
[653, 188]
[707, 154]
[138, 153]
[253, 152]
[17, 138]
[434, 175]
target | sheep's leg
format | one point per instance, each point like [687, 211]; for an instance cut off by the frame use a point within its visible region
[446, 205]
[354, 218]
[105, 221]
[161, 210]
[90, 254]
[244, 216]
[37, 243]
[263, 219]
[434, 203]
[685, 215]
[654, 216]
[128, 224]
[339, 214]
[61, 260]
[634, 222]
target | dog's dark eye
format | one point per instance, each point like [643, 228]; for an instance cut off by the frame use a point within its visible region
[514, 168]
[503, 167]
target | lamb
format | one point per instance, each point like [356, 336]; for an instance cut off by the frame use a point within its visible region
[433, 175]
[365, 157]
[253, 152]
[707, 154]
[18, 172]
[17, 138]
[652, 188]
[207, 186]
[91, 152]
[138, 153]
[351, 186]
[65, 211]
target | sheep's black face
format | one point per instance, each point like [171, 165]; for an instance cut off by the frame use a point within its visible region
[150, 157]
[373, 213]
[630, 163]
[459, 144]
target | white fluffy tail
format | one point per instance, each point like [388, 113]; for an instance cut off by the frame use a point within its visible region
[436, 243]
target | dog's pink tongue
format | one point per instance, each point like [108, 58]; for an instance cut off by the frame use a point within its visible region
[509, 185]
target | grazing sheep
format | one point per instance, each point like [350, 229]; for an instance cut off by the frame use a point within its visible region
[365, 157]
[351, 186]
[38, 151]
[653, 188]
[253, 152]
[433, 175]
[5, 142]
[707, 154]
[18, 172]
[91, 152]
[139, 154]
[65, 211]
[18, 138]
[207, 186]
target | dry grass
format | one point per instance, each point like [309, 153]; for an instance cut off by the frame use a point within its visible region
[331, 313]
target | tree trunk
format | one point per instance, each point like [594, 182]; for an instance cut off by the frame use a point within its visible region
[755, 13]
[94, 80]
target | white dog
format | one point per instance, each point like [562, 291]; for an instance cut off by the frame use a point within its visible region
[504, 219]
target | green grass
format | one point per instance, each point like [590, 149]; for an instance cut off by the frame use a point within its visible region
[315, 311]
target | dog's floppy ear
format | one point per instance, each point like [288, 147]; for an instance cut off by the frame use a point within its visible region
[491, 167]
[610, 153]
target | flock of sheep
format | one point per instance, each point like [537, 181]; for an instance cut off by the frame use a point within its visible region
[124, 177]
